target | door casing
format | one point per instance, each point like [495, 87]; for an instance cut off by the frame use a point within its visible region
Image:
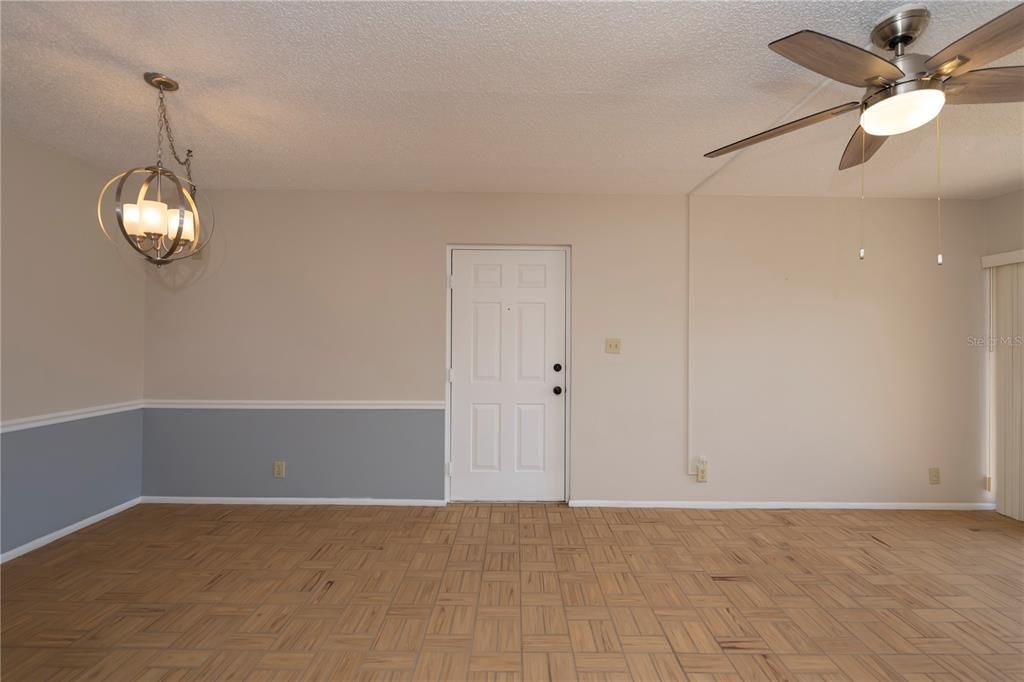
[567, 250]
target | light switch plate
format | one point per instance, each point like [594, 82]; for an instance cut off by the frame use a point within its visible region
[933, 476]
[613, 346]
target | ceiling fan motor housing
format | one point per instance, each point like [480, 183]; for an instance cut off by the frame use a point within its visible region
[916, 78]
[913, 65]
[874, 96]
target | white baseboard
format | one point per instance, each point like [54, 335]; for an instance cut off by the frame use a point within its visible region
[67, 530]
[372, 502]
[699, 504]
[338, 501]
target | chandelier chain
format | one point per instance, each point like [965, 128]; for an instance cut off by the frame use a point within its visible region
[164, 126]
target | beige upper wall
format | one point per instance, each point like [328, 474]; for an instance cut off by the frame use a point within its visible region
[1003, 220]
[341, 296]
[72, 308]
[816, 376]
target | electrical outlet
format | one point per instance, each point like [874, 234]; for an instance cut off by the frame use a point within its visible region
[279, 469]
[702, 470]
[613, 346]
[933, 476]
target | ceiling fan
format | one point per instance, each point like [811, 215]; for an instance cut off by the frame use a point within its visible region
[908, 90]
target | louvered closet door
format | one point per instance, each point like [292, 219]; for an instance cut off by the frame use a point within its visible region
[1008, 327]
[509, 370]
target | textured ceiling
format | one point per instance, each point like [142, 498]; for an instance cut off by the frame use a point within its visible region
[567, 97]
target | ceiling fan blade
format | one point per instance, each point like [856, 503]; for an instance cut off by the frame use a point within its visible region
[852, 154]
[785, 128]
[987, 86]
[988, 42]
[835, 59]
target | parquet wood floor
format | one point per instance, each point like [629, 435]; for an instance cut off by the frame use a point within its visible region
[519, 592]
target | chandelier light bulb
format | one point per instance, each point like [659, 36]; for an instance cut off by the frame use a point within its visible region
[902, 112]
[188, 228]
[154, 217]
[132, 220]
[939, 259]
[861, 255]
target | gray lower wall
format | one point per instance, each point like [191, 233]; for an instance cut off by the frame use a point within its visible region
[394, 454]
[56, 475]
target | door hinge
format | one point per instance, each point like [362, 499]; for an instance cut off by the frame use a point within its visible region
[451, 280]
[451, 375]
[448, 469]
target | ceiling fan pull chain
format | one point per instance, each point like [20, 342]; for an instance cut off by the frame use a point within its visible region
[938, 186]
[862, 164]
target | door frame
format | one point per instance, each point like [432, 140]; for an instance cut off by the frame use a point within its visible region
[450, 250]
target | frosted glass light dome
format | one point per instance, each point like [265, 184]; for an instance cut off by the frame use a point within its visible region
[902, 112]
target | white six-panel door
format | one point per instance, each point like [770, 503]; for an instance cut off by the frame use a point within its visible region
[507, 416]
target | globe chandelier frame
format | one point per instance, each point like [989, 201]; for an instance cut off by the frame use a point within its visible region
[158, 232]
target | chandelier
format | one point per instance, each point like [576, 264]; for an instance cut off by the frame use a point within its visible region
[154, 209]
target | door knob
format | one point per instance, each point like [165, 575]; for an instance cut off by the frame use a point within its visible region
[558, 367]
[558, 390]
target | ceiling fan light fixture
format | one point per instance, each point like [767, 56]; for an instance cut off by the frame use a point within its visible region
[907, 90]
[902, 107]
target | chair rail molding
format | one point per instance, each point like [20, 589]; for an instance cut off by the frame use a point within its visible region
[295, 404]
[32, 422]
[22, 423]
